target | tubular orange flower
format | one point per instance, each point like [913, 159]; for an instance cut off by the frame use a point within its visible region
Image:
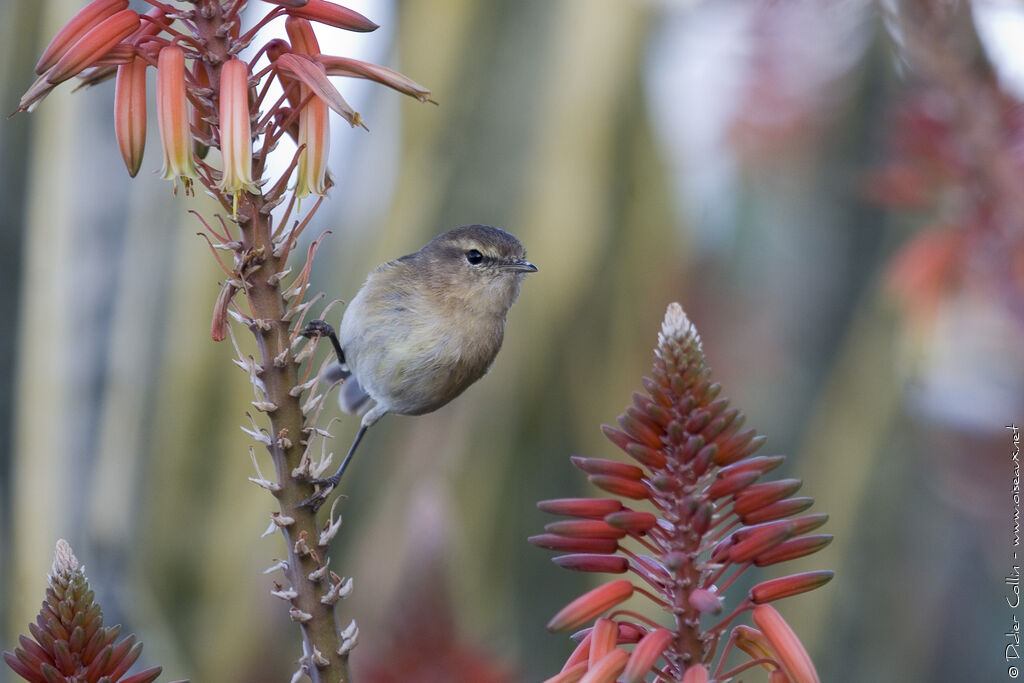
[130, 112]
[789, 651]
[315, 138]
[235, 129]
[87, 18]
[173, 116]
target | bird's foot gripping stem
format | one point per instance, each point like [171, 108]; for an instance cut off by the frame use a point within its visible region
[321, 328]
[327, 486]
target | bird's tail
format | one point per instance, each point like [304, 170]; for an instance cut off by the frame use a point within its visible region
[351, 397]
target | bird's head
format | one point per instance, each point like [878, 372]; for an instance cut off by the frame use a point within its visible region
[478, 264]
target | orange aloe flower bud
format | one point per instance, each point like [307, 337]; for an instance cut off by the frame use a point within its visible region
[565, 544]
[96, 42]
[607, 669]
[603, 638]
[86, 19]
[275, 48]
[593, 562]
[696, 674]
[590, 604]
[235, 129]
[173, 116]
[344, 66]
[646, 654]
[130, 112]
[301, 35]
[786, 586]
[333, 15]
[596, 508]
[789, 651]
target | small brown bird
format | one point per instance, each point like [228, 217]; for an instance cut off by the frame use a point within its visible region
[423, 328]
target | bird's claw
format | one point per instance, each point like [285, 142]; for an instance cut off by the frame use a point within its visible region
[320, 497]
[318, 328]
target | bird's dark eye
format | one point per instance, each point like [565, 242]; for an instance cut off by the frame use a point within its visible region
[474, 257]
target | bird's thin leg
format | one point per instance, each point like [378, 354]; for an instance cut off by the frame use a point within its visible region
[327, 485]
[321, 328]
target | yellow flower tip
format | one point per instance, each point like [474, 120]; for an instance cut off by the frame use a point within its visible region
[130, 112]
[173, 117]
[789, 651]
[235, 130]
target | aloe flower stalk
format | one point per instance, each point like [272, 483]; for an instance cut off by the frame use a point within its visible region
[69, 642]
[211, 99]
[696, 516]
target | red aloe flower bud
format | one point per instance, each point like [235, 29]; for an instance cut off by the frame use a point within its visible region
[759, 541]
[760, 495]
[85, 20]
[603, 638]
[595, 508]
[130, 113]
[787, 586]
[632, 521]
[592, 562]
[71, 643]
[275, 48]
[607, 669]
[591, 604]
[301, 36]
[574, 545]
[235, 129]
[789, 651]
[173, 116]
[620, 486]
[571, 674]
[645, 654]
[696, 674]
[584, 528]
[95, 43]
[333, 15]
[602, 466]
[792, 549]
[777, 510]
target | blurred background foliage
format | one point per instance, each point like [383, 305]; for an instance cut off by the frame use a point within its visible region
[827, 187]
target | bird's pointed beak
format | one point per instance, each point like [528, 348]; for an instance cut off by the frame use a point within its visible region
[521, 266]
